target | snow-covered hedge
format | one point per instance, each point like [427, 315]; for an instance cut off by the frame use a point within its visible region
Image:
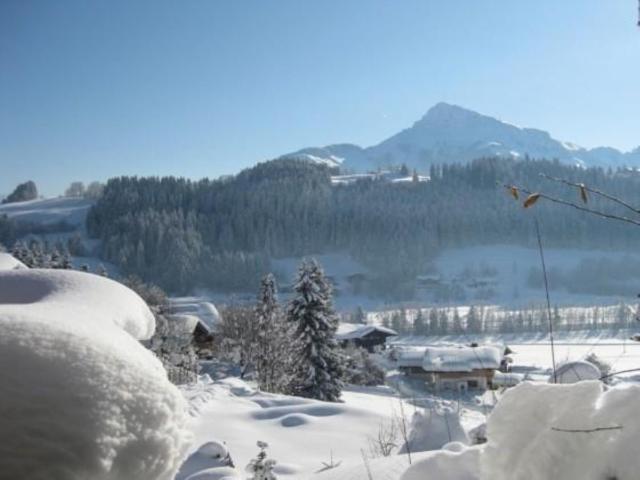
[80, 397]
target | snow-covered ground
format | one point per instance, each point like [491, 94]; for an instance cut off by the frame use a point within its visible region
[301, 433]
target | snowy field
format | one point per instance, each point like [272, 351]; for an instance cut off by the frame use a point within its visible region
[71, 210]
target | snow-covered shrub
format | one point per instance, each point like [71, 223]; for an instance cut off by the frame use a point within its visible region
[360, 369]
[431, 429]
[81, 397]
[601, 364]
[578, 431]
[261, 467]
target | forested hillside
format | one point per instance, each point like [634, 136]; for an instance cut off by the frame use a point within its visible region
[222, 233]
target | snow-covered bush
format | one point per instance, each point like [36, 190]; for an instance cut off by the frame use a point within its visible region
[580, 431]
[601, 364]
[261, 467]
[81, 397]
[360, 369]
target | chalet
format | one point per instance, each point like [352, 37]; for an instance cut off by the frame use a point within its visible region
[455, 367]
[365, 336]
[198, 316]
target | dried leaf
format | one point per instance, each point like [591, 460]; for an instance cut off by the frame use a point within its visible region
[583, 193]
[531, 199]
[514, 192]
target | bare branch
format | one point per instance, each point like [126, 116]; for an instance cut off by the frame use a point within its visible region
[591, 430]
[578, 207]
[595, 191]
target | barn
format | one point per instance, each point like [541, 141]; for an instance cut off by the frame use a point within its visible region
[364, 336]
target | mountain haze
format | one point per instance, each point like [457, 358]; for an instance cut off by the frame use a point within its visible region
[449, 134]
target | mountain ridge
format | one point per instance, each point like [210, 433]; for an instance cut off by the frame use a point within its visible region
[449, 133]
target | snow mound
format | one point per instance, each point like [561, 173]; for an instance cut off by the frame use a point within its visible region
[211, 460]
[579, 431]
[432, 429]
[81, 397]
[9, 262]
[575, 371]
[462, 465]
[218, 473]
[89, 298]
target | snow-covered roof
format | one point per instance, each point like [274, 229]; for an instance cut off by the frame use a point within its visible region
[461, 359]
[456, 358]
[351, 331]
[206, 312]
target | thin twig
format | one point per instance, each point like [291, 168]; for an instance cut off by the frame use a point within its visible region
[595, 191]
[546, 289]
[578, 207]
[592, 430]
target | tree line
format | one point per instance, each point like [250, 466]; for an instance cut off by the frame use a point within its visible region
[222, 233]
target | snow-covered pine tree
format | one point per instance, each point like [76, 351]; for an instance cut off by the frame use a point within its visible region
[319, 363]
[261, 468]
[273, 332]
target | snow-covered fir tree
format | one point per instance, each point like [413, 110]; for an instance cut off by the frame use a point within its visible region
[261, 467]
[318, 360]
[273, 332]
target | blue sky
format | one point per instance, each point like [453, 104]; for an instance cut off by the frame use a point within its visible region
[93, 89]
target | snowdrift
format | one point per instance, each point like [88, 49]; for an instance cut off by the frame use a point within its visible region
[81, 398]
[577, 431]
[8, 262]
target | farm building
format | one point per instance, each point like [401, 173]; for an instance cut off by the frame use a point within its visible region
[455, 367]
[365, 336]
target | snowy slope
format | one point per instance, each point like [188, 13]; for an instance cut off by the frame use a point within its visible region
[449, 133]
[71, 210]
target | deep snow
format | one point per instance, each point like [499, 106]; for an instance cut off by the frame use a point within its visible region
[81, 397]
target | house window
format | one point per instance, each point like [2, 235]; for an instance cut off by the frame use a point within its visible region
[472, 383]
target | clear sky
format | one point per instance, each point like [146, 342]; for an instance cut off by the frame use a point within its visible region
[93, 89]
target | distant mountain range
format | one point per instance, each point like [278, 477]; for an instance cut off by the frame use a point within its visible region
[449, 133]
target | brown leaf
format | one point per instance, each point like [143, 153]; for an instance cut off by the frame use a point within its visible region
[583, 193]
[514, 192]
[531, 199]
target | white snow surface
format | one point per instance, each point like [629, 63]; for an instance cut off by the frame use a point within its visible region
[9, 262]
[528, 438]
[81, 397]
[85, 298]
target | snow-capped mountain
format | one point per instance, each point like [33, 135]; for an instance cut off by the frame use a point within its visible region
[449, 133]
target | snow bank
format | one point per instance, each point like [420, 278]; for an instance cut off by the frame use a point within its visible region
[77, 297]
[81, 398]
[528, 437]
[9, 262]
[450, 465]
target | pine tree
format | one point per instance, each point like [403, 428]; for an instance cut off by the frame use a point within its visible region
[260, 467]
[419, 325]
[319, 363]
[273, 334]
